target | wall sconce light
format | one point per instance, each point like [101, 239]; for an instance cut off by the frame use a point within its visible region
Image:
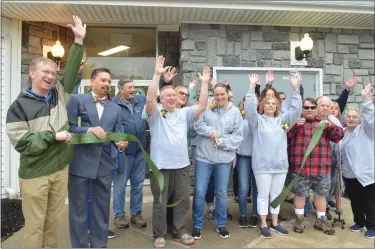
[304, 49]
[58, 53]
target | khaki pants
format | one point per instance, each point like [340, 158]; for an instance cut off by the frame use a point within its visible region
[43, 200]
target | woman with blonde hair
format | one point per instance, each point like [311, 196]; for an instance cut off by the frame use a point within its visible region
[270, 156]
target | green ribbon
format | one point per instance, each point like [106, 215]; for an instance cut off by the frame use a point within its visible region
[314, 140]
[89, 138]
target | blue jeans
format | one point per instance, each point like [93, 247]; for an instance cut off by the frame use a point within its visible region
[203, 172]
[135, 169]
[245, 175]
[210, 195]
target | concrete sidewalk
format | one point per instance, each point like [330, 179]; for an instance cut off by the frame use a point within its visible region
[135, 237]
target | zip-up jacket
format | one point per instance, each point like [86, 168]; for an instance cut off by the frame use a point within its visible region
[32, 123]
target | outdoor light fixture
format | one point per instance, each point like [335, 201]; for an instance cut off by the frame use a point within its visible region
[58, 53]
[114, 50]
[304, 49]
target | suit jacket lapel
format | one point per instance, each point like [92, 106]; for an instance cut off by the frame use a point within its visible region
[91, 109]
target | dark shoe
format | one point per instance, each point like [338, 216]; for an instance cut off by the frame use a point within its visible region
[322, 225]
[243, 221]
[196, 233]
[279, 229]
[328, 214]
[138, 220]
[370, 234]
[223, 232]
[253, 221]
[121, 222]
[111, 234]
[356, 228]
[332, 204]
[264, 232]
[229, 216]
[300, 224]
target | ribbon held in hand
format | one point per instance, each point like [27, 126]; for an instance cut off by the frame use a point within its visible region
[89, 138]
[314, 140]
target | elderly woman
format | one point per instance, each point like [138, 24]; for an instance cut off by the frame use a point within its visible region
[220, 133]
[270, 157]
[357, 163]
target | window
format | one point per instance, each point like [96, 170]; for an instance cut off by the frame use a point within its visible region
[133, 56]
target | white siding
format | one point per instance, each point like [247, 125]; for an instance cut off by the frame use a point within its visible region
[4, 103]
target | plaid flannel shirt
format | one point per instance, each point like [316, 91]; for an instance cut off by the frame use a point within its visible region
[319, 161]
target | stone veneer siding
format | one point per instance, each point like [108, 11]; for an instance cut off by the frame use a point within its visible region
[340, 52]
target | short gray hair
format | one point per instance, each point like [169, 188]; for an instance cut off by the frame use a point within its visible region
[35, 63]
[122, 82]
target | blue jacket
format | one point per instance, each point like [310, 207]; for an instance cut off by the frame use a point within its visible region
[132, 124]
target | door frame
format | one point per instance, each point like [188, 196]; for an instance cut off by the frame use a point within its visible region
[318, 76]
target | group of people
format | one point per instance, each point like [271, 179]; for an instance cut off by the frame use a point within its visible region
[264, 139]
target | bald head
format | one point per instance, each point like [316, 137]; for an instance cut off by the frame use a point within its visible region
[324, 106]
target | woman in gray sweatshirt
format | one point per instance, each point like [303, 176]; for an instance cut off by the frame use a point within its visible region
[220, 133]
[270, 157]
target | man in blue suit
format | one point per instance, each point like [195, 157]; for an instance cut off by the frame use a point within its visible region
[92, 162]
[131, 163]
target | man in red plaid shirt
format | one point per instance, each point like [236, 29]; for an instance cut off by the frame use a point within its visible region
[316, 174]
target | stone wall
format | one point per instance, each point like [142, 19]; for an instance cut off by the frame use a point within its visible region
[341, 52]
[37, 34]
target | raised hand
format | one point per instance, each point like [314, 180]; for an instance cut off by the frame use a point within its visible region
[227, 83]
[349, 84]
[159, 65]
[193, 83]
[205, 77]
[78, 29]
[270, 77]
[169, 74]
[254, 79]
[294, 83]
[367, 92]
[213, 82]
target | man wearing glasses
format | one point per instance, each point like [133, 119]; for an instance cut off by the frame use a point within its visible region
[316, 174]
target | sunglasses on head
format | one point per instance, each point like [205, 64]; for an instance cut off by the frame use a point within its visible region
[309, 107]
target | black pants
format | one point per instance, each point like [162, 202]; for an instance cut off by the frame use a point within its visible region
[362, 200]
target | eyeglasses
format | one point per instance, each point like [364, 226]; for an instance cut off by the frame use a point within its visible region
[183, 93]
[309, 107]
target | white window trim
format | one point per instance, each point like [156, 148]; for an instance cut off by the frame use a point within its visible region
[15, 88]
